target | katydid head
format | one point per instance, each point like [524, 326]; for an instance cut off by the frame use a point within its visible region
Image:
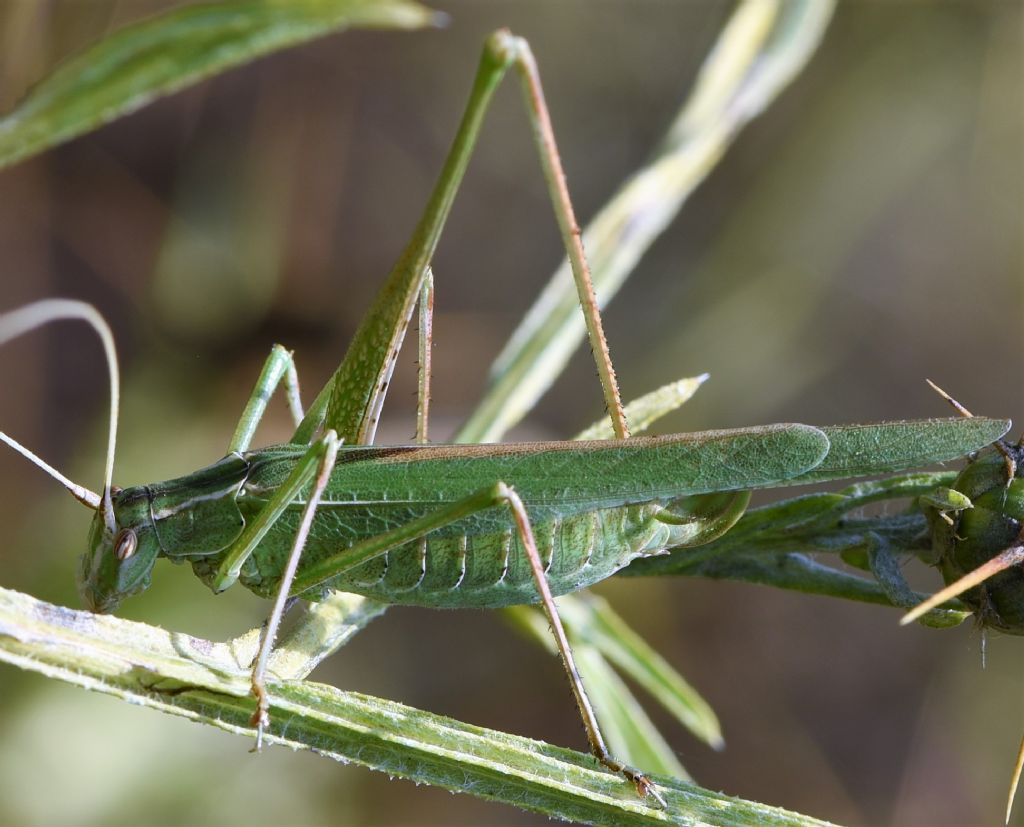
[119, 560]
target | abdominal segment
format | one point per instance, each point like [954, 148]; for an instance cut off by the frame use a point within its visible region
[461, 565]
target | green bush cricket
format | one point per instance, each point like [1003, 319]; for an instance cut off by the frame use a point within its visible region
[364, 525]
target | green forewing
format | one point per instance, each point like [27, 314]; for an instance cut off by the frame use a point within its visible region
[566, 477]
[573, 476]
[865, 450]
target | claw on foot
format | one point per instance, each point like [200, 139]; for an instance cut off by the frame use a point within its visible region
[645, 787]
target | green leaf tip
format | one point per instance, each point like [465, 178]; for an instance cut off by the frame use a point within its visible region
[159, 55]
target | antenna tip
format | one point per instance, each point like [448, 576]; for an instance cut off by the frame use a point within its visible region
[960, 409]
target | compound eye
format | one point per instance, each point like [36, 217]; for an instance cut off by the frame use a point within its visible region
[125, 544]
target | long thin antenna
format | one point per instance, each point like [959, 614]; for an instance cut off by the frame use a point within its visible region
[35, 315]
[1000, 446]
[79, 492]
[960, 409]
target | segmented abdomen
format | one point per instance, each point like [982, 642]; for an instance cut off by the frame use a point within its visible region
[456, 569]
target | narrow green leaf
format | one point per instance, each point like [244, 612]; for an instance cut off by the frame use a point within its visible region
[205, 682]
[631, 734]
[818, 522]
[885, 566]
[807, 524]
[592, 619]
[798, 572]
[764, 45]
[163, 54]
[770, 546]
[643, 412]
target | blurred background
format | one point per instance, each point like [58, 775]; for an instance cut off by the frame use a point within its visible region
[865, 233]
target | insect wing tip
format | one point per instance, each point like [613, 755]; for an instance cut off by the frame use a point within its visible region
[783, 452]
[815, 444]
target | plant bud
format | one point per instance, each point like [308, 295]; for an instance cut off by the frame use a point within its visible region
[964, 539]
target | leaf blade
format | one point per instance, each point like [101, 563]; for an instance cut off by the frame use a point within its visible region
[204, 681]
[762, 48]
[633, 656]
[154, 57]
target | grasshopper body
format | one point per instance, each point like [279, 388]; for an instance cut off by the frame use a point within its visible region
[595, 506]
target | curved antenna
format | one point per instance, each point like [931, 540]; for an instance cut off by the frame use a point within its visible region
[35, 315]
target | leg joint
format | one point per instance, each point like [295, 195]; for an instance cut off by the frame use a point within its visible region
[504, 48]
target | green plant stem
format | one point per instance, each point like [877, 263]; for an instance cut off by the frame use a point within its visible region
[209, 683]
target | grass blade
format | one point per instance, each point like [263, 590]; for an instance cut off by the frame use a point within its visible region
[763, 46]
[205, 682]
[160, 55]
[631, 735]
[649, 408]
[630, 732]
[591, 617]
